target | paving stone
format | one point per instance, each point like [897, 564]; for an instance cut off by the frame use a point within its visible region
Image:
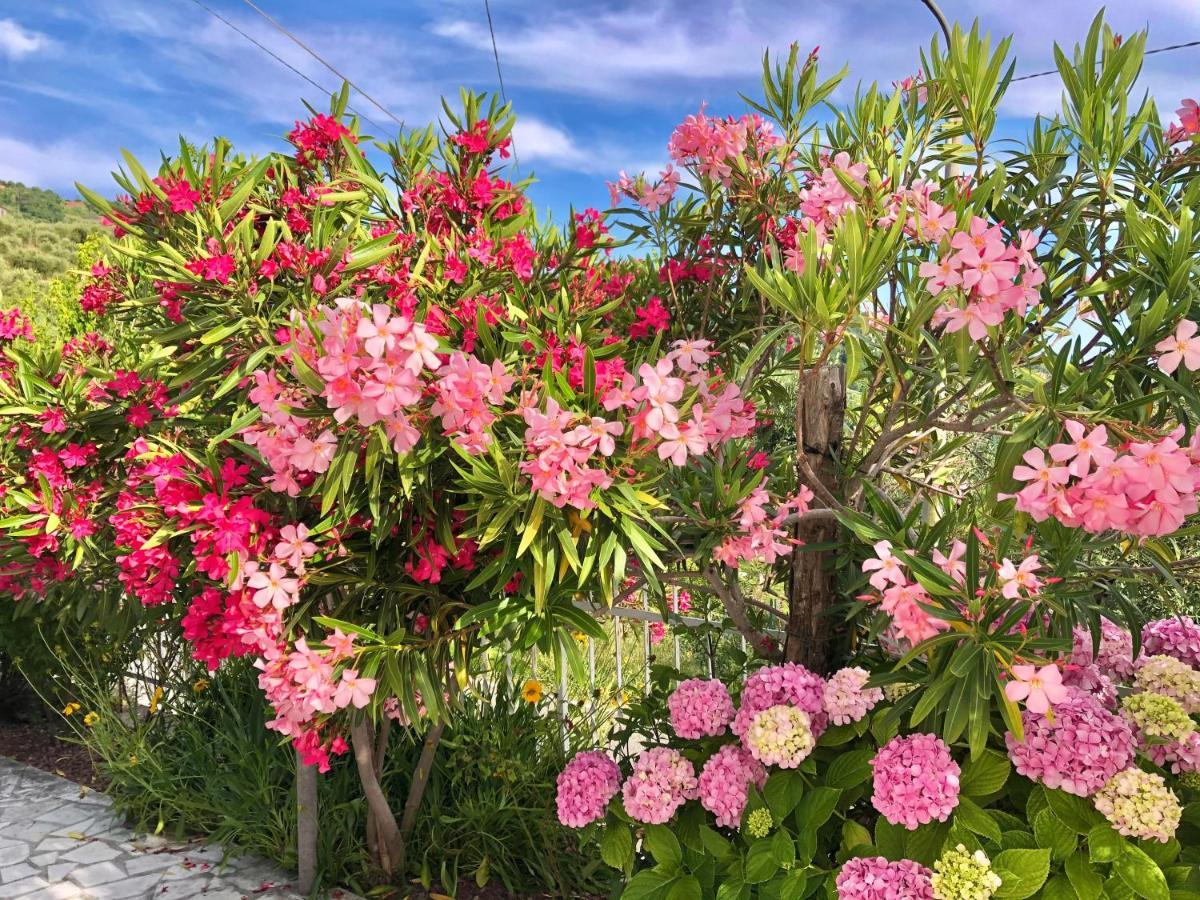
[58, 892]
[58, 871]
[98, 873]
[16, 873]
[126, 888]
[13, 854]
[22, 887]
[148, 862]
[92, 852]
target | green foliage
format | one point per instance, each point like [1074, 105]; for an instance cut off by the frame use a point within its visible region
[32, 202]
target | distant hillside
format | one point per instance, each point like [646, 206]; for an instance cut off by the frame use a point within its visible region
[32, 202]
[40, 238]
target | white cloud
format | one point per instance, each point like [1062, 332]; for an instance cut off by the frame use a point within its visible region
[57, 165]
[17, 42]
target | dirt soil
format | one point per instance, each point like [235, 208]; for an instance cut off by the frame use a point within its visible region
[47, 746]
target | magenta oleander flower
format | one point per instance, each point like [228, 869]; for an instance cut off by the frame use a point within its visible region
[846, 700]
[1114, 656]
[1177, 636]
[1180, 757]
[1140, 805]
[874, 878]
[788, 684]
[662, 781]
[725, 783]
[780, 736]
[1081, 749]
[700, 708]
[585, 785]
[916, 780]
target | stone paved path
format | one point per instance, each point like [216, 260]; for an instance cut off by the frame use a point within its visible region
[58, 845]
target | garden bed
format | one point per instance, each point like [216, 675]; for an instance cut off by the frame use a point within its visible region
[48, 747]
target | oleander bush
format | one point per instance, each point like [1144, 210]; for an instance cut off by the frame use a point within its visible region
[912, 407]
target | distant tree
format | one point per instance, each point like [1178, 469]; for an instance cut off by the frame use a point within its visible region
[36, 203]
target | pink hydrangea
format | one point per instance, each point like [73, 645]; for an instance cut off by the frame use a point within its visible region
[1083, 747]
[662, 781]
[1177, 636]
[790, 685]
[700, 708]
[725, 783]
[1090, 680]
[1114, 656]
[1177, 756]
[846, 698]
[874, 878]
[585, 786]
[916, 780]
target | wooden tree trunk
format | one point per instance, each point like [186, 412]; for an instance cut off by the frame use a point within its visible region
[820, 417]
[306, 826]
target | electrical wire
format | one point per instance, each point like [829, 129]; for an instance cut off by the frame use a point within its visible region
[1147, 53]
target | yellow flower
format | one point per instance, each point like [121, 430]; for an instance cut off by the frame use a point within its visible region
[155, 700]
[532, 691]
[133, 759]
[200, 686]
[70, 709]
[91, 719]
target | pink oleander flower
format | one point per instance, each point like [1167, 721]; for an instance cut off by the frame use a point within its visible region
[1015, 579]
[1113, 657]
[1078, 751]
[953, 565]
[874, 878]
[1182, 347]
[846, 698]
[585, 786]
[1140, 805]
[916, 780]
[700, 708]
[725, 783]
[1039, 688]
[887, 569]
[273, 588]
[788, 684]
[1168, 676]
[352, 690]
[1177, 636]
[661, 782]
[780, 736]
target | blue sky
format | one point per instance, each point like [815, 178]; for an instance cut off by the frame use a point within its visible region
[597, 85]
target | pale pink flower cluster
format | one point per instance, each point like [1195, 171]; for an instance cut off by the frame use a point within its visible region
[1147, 490]
[725, 783]
[1172, 678]
[559, 469]
[290, 444]
[916, 780]
[1176, 636]
[303, 683]
[1140, 805]
[788, 684]
[780, 736]
[761, 535]
[661, 782]
[847, 699]
[825, 198]
[650, 196]
[988, 276]
[711, 145]
[1077, 750]
[901, 598]
[585, 786]
[466, 390]
[874, 878]
[1113, 656]
[700, 708]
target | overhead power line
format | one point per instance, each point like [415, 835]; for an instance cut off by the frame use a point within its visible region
[487, 6]
[1147, 53]
[311, 52]
[279, 59]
